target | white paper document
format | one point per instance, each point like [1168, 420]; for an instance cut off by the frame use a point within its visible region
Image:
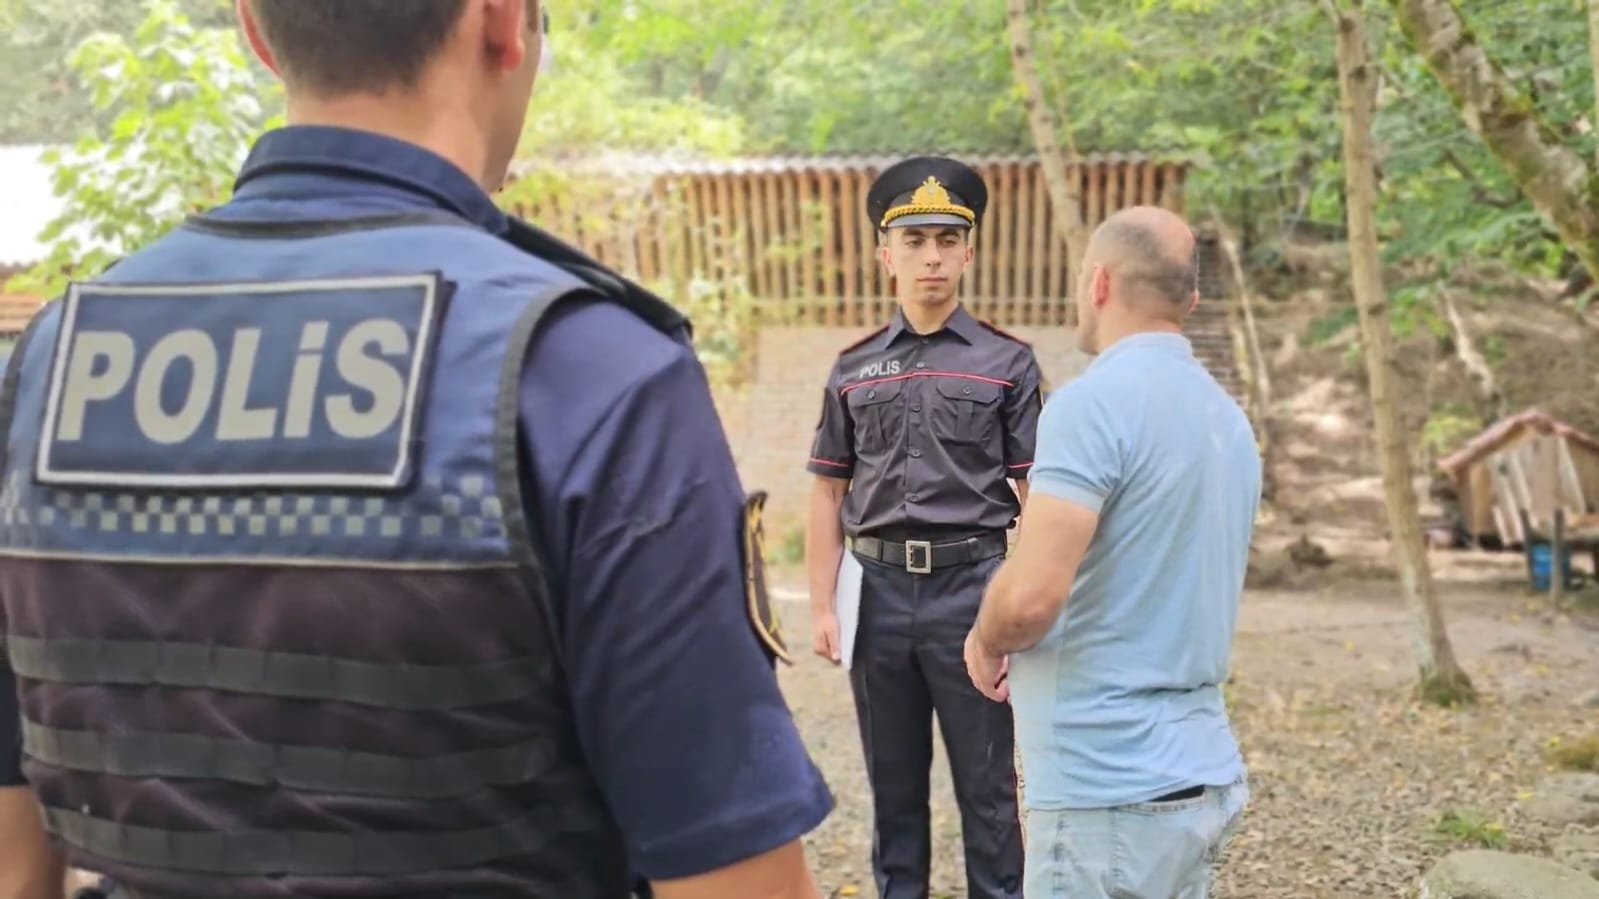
[847, 606]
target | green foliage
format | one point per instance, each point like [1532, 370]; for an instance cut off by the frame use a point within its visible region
[1470, 827]
[1446, 429]
[46, 101]
[1329, 326]
[1247, 89]
[182, 106]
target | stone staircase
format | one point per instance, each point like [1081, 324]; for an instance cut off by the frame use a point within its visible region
[1207, 326]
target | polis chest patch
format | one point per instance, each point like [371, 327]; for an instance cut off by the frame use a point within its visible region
[307, 384]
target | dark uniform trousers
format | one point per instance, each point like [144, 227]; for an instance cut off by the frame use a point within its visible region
[909, 663]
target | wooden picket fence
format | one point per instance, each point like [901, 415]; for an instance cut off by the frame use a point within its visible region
[794, 231]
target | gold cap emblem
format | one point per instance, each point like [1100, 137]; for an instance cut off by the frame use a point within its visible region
[931, 193]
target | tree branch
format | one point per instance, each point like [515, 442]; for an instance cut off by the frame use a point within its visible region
[1559, 183]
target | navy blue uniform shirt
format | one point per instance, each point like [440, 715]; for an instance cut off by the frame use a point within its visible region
[638, 511]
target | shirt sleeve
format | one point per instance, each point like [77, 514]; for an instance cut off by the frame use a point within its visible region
[833, 449]
[677, 704]
[1023, 403]
[10, 731]
[1079, 453]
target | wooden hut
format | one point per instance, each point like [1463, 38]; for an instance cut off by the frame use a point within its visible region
[16, 310]
[1518, 472]
[795, 231]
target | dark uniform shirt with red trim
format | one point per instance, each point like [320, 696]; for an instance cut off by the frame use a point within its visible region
[929, 428]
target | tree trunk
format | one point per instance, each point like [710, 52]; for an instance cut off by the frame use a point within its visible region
[1442, 679]
[1593, 49]
[1065, 194]
[1559, 182]
[1476, 365]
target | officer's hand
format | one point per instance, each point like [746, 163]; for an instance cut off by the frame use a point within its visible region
[824, 636]
[989, 671]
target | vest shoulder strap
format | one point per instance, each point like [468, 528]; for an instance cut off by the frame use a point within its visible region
[660, 314]
[523, 235]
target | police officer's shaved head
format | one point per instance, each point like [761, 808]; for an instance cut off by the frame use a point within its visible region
[1151, 254]
[333, 47]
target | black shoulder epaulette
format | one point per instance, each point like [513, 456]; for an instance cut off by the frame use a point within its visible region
[1003, 333]
[864, 340]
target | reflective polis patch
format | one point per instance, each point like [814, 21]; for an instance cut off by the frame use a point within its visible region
[308, 384]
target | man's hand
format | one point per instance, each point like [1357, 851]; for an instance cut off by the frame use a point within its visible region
[30, 867]
[989, 671]
[824, 549]
[824, 636]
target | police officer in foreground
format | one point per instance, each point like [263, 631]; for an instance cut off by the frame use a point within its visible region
[926, 425]
[357, 540]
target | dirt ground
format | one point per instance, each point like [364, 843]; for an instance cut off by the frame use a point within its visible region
[1350, 777]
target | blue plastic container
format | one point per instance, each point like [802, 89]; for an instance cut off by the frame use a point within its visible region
[1541, 564]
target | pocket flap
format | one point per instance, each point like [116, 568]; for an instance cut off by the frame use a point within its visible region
[969, 389]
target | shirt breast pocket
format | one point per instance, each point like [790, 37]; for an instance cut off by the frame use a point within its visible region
[878, 415]
[966, 411]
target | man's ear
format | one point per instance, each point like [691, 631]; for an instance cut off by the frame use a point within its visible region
[1101, 286]
[1194, 303]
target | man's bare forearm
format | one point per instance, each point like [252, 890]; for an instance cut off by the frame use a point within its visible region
[1006, 622]
[824, 541]
[30, 867]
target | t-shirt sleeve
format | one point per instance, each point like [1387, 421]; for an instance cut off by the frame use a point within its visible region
[1080, 458]
[1023, 403]
[833, 448]
[677, 704]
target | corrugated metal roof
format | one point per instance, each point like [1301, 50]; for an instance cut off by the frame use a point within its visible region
[659, 164]
[27, 204]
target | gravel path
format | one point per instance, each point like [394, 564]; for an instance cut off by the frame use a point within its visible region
[1349, 777]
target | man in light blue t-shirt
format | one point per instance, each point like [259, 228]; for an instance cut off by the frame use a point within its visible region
[1110, 627]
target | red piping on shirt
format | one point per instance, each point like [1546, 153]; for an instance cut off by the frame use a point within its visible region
[928, 374]
[825, 462]
[1021, 465]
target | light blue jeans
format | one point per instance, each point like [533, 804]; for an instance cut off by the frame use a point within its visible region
[1151, 850]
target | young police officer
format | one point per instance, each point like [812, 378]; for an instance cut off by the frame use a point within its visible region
[925, 425]
[357, 540]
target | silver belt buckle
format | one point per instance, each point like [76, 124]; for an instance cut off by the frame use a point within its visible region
[926, 549]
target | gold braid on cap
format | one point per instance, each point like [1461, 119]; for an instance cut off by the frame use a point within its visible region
[930, 199]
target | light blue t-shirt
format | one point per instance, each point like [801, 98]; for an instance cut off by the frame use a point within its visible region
[1122, 702]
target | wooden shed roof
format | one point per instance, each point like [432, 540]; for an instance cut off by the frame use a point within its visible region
[1505, 430]
[669, 164]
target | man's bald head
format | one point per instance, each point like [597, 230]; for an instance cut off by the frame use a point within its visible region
[1152, 257]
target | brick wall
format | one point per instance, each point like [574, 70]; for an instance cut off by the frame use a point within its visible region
[771, 422]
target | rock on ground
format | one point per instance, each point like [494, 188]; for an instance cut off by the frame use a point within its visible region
[1578, 848]
[1484, 874]
[1567, 799]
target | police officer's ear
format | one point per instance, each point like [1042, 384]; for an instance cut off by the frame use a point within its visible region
[885, 239]
[252, 34]
[508, 29]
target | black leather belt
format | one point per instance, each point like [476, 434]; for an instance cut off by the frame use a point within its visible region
[1180, 795]
[925, 556]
